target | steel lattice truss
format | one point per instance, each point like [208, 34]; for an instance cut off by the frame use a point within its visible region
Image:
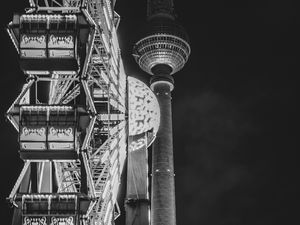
[103, 81]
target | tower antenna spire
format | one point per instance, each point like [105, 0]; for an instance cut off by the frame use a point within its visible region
[160, 8]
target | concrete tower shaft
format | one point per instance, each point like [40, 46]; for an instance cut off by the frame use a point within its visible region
[163, 210]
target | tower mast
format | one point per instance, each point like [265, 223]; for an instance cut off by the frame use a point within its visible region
[162, 52]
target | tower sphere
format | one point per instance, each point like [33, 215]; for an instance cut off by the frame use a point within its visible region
[166, 43]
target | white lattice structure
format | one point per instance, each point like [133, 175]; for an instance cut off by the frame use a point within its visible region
[101, 78]
[74, 141]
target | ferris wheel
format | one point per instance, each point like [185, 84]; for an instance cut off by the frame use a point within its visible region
[78, 115]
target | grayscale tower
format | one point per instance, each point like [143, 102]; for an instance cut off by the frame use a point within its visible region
[162, 52]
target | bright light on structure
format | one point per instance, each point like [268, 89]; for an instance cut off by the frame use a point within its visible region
[144, 113]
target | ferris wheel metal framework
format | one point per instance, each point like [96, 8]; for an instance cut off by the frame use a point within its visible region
[73, 140]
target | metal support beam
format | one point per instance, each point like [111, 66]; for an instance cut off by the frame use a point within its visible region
[23, 188]
[19, 180]
[21, 95]
[89, 175]
[89, 97]
[163, 187]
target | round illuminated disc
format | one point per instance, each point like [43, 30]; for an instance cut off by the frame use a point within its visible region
[144, 113]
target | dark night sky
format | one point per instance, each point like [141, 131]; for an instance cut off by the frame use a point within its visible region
[233, 110]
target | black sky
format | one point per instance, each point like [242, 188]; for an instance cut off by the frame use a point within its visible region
[234, 109]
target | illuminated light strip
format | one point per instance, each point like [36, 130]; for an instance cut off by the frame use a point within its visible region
[41, 171]
[89, 133]
[115, 41]
[123, 144]
[114, 90]
[115, 178]
[122, 136]
[111, 117]
[89, 175]
[114, 66]
[122, 157]
[89, 97]
[114, 54]
[37, 72]
[156, 36]
[49, 17]
[58, 79]
[115, 51]
[108, 211]
[36, 17]
[104, 157]
[113, 73]
[115, 185]
[106, 18]
[46, 108]
[122, 81]
[115, 189]
[33, 196]
[109, 8]
[114, 167]
[89, 54]
[105, 42]
[114, 156]
[53, 88]
[21, 95]
[13, 39]
[113, 144]
[109, 222]
[106, 188]
[122, 75]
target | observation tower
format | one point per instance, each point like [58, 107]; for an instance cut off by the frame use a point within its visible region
[162, 52]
